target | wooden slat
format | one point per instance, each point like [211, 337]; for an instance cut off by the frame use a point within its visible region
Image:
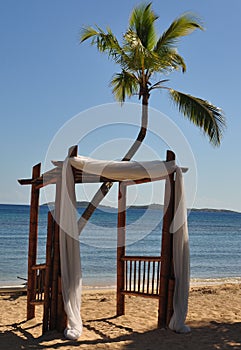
[91, 178]
[144, 276]
[141, 258]
[50, 174]
[153, 276]
[25, 181]
[39, 267]
[130, 276]
[73, 151]
[37, 302]
[35, 297]
[135, 275]
[139, 275]
[144, 180]
[126, 275]
[148, 276]
[144, 295]
[80, 177]
[51, 177]
[57, 163]
[51, 181]
[158, 278]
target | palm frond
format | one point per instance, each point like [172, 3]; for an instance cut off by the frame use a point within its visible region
[182, 26]
[132, 43]
[202, 113]
[168, 59]
[104, 41]
[124, 84]
[87, 33]
[140, 57]
[177, 62]
[142, 23]
[158, 84]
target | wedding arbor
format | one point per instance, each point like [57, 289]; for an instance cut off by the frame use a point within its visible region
[56, 284]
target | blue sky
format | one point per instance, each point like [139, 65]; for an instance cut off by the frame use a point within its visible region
[47, 77]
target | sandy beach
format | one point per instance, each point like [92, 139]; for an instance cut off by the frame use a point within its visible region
[214, 316]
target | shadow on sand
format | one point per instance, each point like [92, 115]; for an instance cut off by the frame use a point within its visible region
[209, 336]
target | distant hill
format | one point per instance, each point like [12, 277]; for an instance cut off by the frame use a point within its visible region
[215, 210]
[154, 206]
[84, 204]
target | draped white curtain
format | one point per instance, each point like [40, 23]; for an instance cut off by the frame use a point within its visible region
[71, 276]
[181, 258]
[123, 170]
[69, 238]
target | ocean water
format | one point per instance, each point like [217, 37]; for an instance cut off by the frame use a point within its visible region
[215, 243]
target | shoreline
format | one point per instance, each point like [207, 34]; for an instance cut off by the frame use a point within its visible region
[194, 282]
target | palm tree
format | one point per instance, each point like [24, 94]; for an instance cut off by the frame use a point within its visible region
[142, 57]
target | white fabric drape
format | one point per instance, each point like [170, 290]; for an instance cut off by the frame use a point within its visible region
[181, 258]
[123, 170]
[69, 240]
[71, 276]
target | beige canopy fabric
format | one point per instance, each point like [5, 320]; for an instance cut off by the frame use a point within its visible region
[124, 170]
[69, 236]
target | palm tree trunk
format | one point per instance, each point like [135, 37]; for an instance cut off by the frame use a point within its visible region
[106, 186]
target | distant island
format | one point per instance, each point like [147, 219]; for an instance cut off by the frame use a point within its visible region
[155, 206]
[84, 204]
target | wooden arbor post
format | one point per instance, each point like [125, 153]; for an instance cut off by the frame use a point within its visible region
[121, 237]
[48, 273]
[55, 261]
[166, 278]
[32, 245]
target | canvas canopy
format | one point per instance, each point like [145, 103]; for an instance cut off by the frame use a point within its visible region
[124, 170]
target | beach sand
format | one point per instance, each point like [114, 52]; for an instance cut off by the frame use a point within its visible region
[214, 316]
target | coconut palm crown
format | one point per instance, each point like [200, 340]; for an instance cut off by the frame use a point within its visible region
[143, 55]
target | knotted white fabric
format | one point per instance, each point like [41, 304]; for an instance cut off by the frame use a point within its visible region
[180, 258]
[71, 276]
[123, 170]
[69, 240]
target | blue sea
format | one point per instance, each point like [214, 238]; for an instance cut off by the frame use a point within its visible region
[215, 243]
